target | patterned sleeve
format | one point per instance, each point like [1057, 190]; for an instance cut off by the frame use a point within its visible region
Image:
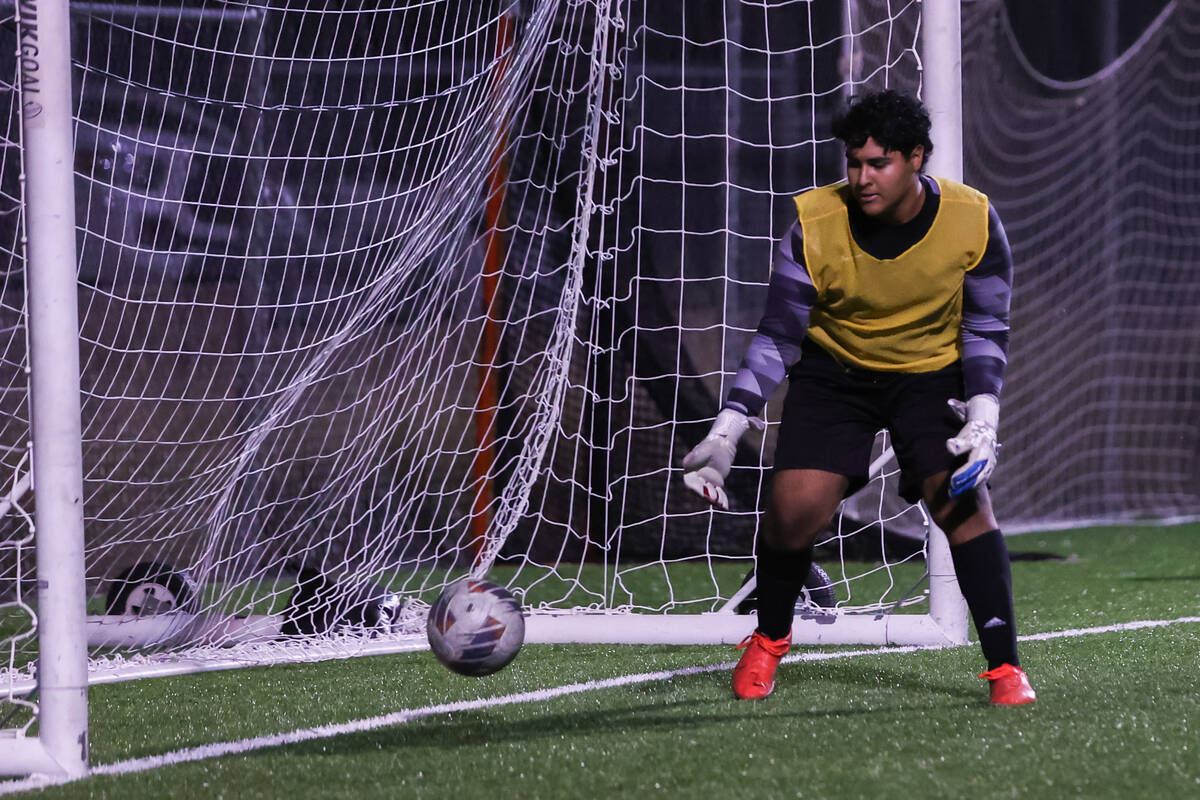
[776, 344]
[987, 293]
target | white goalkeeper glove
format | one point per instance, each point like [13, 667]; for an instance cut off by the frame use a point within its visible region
[708, 463]
[981, 414]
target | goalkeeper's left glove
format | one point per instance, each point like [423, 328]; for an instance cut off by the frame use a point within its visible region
[981, 414]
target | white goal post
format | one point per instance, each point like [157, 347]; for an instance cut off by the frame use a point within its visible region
[343, 329]
[61, 744]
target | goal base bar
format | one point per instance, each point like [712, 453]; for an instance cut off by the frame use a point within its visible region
[163, 629]
[724, 628]
[565, 627]
[27, 755]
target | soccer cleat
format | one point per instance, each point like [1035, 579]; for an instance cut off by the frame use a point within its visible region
[1010, 686]
[754, 675]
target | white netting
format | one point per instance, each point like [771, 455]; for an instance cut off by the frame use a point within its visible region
[1095, 181]
[374, 296]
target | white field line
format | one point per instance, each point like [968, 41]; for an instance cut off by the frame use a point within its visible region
[408, 715]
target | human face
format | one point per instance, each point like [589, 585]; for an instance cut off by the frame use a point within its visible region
[885, 184]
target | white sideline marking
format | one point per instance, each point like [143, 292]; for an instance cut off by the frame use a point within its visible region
[400, 717]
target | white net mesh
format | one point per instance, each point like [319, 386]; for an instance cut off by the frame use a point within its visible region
[375, 296]
[1094, 180]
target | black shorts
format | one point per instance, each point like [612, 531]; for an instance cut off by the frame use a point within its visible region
[833, 412]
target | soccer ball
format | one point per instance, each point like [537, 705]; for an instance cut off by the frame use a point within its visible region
[817, 593]
[475, 627]
[322, 604]
[150, 588]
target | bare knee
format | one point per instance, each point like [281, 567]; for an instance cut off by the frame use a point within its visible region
[961, 518]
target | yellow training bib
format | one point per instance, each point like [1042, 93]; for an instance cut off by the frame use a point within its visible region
[900, 314]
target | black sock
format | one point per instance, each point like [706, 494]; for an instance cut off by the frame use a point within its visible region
[985, 578]
[780, 575]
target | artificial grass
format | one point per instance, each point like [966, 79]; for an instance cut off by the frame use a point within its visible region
[1116, 716]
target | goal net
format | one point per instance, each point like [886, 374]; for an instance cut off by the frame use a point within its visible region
[1103, 392]
[375, 298]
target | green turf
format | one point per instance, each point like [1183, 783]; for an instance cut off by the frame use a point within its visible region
[1117, 715]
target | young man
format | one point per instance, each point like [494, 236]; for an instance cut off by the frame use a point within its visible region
[888, 304]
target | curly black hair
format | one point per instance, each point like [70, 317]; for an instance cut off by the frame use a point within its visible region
[896, 121]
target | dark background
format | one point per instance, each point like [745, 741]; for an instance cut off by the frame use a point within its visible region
[263, 232]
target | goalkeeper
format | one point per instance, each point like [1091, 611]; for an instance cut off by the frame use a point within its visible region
[887, 307]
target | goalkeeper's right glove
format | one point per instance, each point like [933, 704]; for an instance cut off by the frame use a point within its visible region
[708, 463]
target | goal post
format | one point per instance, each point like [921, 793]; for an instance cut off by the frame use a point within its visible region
[941, 79]
[61, 743]
[941, 74]
[342, 329]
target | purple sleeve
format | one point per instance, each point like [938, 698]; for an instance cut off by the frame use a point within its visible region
[776, 344]
[987, 294]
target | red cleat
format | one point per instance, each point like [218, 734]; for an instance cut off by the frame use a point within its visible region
[754, 675]
[1010, 686]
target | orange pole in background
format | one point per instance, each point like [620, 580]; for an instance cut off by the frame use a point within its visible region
[488, 400]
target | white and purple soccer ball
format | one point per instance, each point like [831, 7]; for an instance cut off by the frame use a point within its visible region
[475, 627]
